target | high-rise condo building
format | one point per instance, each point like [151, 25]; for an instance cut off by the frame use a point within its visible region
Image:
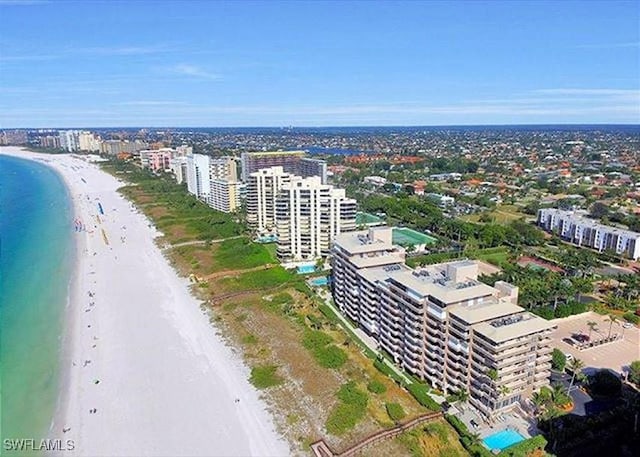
[254, 161]
[87, 141]
[198, 175]
[440, 323]
[156, 159]
[214, 180]
[225, 195]
[309, 215]
[312, 167]
[69, 140]
[582, 231]
[263, 187]
[179, 168]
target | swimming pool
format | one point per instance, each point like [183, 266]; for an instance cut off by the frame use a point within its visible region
[503, 439]
[305, 269]
[318, 282]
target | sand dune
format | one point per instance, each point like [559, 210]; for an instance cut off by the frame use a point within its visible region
[139, 350]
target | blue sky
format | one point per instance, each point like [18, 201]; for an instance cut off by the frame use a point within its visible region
[208, 63]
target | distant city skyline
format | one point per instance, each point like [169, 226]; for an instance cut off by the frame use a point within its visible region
[272, 64]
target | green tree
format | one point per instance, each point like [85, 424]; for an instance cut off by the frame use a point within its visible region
[592, 326]
[612, 320]
[575, 365]
[558, 360]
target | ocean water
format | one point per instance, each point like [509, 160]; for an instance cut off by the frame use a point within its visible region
[36, 252]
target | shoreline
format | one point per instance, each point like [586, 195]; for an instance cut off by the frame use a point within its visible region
[162, 378]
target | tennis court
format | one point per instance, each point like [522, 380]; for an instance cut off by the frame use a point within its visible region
[408, 237]
[368, 219]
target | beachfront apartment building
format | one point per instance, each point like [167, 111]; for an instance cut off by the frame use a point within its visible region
[179, 168]
[214, 181]
[157, 160]
[308, 215]
[115, 147]
[89, 142]
[574, 227]
[225, 195]
[440, 323]
[263, 187]
[69, 140]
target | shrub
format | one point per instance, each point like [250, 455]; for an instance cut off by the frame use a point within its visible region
[525, 448]
[314, 339]
[419, 392]
[376, 387]
[629, 316]
[326, 354]
[343, 418]
[558, 360]
[265, 376]
[467, 439]
[352, 408]
[395, 411]
[350, 393]
[331, 356]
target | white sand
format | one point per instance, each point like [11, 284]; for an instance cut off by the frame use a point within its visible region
[168, 384]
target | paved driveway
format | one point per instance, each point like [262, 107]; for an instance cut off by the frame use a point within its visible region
[616, 355]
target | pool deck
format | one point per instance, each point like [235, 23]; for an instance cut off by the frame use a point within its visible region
[513, 420]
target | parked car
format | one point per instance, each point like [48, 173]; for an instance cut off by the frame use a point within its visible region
[627, 325]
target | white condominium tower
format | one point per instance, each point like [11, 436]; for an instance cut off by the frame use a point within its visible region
[214, 180]
[309, 215]
[440, 323]
[263, 187]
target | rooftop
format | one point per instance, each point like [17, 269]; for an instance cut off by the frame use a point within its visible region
[473, 314]
[527, 325]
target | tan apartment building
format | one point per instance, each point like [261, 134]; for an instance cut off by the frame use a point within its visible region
[440, 323]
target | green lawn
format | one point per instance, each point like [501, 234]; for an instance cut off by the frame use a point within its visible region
[262, 279]
[240, 254]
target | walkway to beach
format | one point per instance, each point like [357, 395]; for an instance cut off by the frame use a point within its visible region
[321, 449]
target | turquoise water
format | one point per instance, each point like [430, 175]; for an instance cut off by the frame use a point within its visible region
[321, 281]
[35, 264]
[305, 269]
[502, 440]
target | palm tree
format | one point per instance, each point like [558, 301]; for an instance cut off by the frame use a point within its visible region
[575, 366]
[539, 401]
[592, 326]
[612, 320]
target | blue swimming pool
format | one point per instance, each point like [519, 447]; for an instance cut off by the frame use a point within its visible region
[503, 439]
[319, 282]
[305, 269]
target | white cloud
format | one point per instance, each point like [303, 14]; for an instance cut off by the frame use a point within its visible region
[194, 71]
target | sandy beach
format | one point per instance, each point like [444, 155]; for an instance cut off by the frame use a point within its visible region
[144, 372]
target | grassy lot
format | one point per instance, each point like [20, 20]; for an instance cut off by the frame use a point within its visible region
[252, 280]
[497, 256]
[502, 214]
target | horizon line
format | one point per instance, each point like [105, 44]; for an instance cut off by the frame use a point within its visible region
[597, 124]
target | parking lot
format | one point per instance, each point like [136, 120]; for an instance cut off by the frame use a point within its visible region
[616, 355]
